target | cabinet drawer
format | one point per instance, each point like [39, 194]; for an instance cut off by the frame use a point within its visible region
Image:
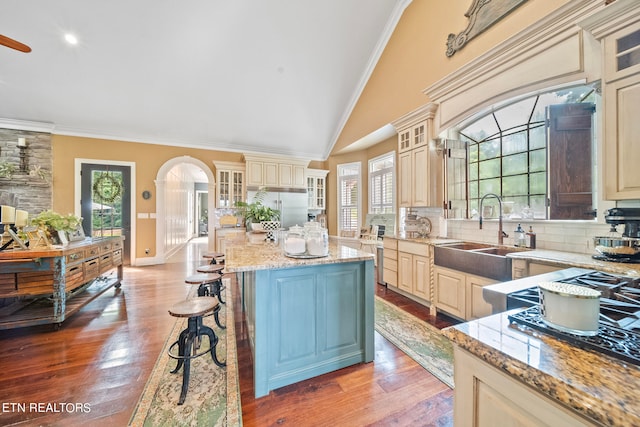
[414, 248]
[105, 262]
[391, 244]
[390, 264]
[92, 252]
[116, 258]
[106, 247]
[390, 277]
[390, 254]
[91, 268]
[117, 244]
[74, 277]
[75, 256]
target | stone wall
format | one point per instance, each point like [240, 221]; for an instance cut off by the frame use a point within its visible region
[29, 189]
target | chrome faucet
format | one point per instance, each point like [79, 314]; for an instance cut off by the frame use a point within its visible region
[501, 233]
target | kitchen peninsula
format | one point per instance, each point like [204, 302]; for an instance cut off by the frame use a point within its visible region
[305, 317]
[505, 372]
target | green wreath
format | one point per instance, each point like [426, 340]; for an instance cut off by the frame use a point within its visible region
[107, 188]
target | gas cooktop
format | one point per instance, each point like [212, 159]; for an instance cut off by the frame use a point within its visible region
[619, 331]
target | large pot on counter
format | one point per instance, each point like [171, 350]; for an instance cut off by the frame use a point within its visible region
[570, 308]
[618, 247]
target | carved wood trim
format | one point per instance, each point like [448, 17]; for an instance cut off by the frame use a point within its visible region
[482, 14]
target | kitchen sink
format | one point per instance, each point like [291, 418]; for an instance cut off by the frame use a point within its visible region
[476, 258]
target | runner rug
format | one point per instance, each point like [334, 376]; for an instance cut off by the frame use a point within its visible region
[422, 342]
[214, 396]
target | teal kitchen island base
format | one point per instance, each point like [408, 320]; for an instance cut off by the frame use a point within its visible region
[306, 319]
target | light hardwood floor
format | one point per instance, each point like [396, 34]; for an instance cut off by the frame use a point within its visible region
[100, 360]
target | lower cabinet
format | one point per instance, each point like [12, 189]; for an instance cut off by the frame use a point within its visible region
[390, 262]
[484, 396]
[414, 269]
[524, 268]
[460, 294]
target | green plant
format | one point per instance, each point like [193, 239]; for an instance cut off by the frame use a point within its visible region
[256, 211]
[53, 220]
[7, 169]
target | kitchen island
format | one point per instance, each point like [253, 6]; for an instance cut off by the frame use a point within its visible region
[506, 372]
[305, 317]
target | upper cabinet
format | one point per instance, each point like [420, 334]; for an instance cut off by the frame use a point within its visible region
[263, 171]
[316, 188]
[230, 183]
[617, 27]
[419, 164]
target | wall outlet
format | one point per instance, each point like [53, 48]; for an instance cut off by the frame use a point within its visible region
[146, 251]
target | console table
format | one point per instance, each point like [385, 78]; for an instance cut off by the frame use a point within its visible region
[41, 286]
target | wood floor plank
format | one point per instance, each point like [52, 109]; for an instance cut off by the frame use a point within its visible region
[104, 354]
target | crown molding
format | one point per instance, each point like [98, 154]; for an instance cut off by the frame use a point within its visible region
[424, 112]
[27, 125]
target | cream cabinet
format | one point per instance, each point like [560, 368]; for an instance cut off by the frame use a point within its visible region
[230, 183]
[414, 269]
[460, 294]
[316, 188]
[419, 165]
[390, 261]
[617, 28]
[524, 268]
[263, 171]
[485, 396]
[224, 234]
[413, 174]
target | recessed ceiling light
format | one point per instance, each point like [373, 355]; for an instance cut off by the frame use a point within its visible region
[71, 39]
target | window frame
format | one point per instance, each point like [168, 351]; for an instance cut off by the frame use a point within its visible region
[372, 175]
[342, 228]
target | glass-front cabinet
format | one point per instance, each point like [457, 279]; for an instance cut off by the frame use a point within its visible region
[316, 188]
[230, 183]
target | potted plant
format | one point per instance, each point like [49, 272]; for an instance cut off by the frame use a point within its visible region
[257, 213]
[53, 223]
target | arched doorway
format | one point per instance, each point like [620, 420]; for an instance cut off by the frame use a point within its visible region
[173, 203]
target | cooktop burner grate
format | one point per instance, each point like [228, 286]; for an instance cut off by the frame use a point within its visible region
[615, 342]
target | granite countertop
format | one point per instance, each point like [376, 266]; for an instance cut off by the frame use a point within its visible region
[564, 259]
[247, 256]
[596, 386]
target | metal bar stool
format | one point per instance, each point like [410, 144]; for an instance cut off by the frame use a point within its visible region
[190, 338]
[210, 284]
[216, 257]
[210, 268]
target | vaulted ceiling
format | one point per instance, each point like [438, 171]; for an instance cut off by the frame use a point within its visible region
[267, 76]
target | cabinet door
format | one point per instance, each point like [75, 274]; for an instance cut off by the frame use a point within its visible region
[622, 53]
[271, 175]
[404, 141]
[285, 175]
[420, 171]
[405, 272]
[622, 127]
[405, 183]
[421, 277]
[255, 172]
[297, 176]
[450, 291]
[224, 189]
[419, 134]
[477, 307]
[237, 187]
[320, 193]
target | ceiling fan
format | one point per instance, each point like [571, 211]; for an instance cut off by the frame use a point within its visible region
[13, 44]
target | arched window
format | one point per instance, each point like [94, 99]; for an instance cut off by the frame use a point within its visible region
[536, 154]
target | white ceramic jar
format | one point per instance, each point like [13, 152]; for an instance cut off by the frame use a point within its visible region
[317, 242]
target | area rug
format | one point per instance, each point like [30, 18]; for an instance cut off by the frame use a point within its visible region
[213, 398]
[416, 338]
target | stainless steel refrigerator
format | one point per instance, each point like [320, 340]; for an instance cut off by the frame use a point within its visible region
[292, 204]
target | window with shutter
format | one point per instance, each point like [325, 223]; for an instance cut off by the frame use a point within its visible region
[349, 199]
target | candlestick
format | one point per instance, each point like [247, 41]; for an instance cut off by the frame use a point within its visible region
[22, 142]
[21, 218]
[8, 215]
